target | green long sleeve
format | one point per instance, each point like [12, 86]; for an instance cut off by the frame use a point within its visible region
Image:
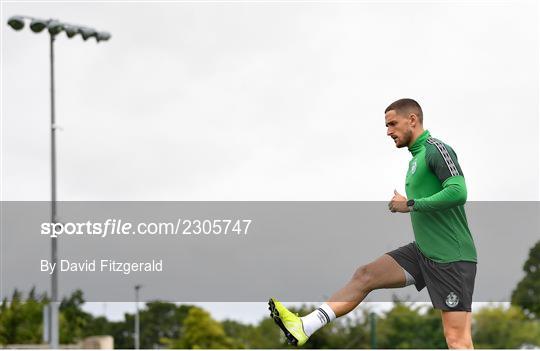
[453, 193]
[436, 183]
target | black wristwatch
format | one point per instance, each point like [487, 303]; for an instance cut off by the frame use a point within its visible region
[410, 205]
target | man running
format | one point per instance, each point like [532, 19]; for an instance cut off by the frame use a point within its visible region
[442, 257]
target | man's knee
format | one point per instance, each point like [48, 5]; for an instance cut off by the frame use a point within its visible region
[456, 340]
[363, 276]
[457, 329]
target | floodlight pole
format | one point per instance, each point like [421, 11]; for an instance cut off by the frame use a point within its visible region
[54, 27]
[54, 257]
[137, 321]
[373, 330]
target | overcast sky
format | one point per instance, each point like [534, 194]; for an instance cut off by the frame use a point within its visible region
[268, 100]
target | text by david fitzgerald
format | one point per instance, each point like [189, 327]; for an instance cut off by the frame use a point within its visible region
[102, 266]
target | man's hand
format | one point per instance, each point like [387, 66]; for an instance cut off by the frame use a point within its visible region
[398, 203]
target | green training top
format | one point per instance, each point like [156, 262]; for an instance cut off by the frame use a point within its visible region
[436, 183]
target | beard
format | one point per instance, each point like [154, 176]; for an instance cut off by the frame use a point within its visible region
[406, 139]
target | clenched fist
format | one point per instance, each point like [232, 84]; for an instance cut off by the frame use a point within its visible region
[398, 203]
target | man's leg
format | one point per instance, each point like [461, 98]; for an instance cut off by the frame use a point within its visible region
[382, 273]
[457, 329]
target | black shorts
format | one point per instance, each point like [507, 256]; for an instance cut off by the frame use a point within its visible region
[450, 285]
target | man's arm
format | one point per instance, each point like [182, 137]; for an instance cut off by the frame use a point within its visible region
[454, 193]
[442, 161]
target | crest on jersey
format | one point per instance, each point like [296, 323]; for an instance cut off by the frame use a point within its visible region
[413, 167]
[452, 300]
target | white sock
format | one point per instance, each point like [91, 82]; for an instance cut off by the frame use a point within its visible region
[317, 319]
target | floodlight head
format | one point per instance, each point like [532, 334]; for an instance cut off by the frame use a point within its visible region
[87, 32]
[55, 27]
[16, 22]
[37, 25]
[103, 36]
[71, 31]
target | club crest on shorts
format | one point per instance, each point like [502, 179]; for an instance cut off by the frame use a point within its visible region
[452, 300]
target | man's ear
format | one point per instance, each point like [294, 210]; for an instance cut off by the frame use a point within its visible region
[414, 119]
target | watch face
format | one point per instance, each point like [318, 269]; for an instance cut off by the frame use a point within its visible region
[410, 203]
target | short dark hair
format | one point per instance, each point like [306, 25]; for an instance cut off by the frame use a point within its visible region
[403, 106]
